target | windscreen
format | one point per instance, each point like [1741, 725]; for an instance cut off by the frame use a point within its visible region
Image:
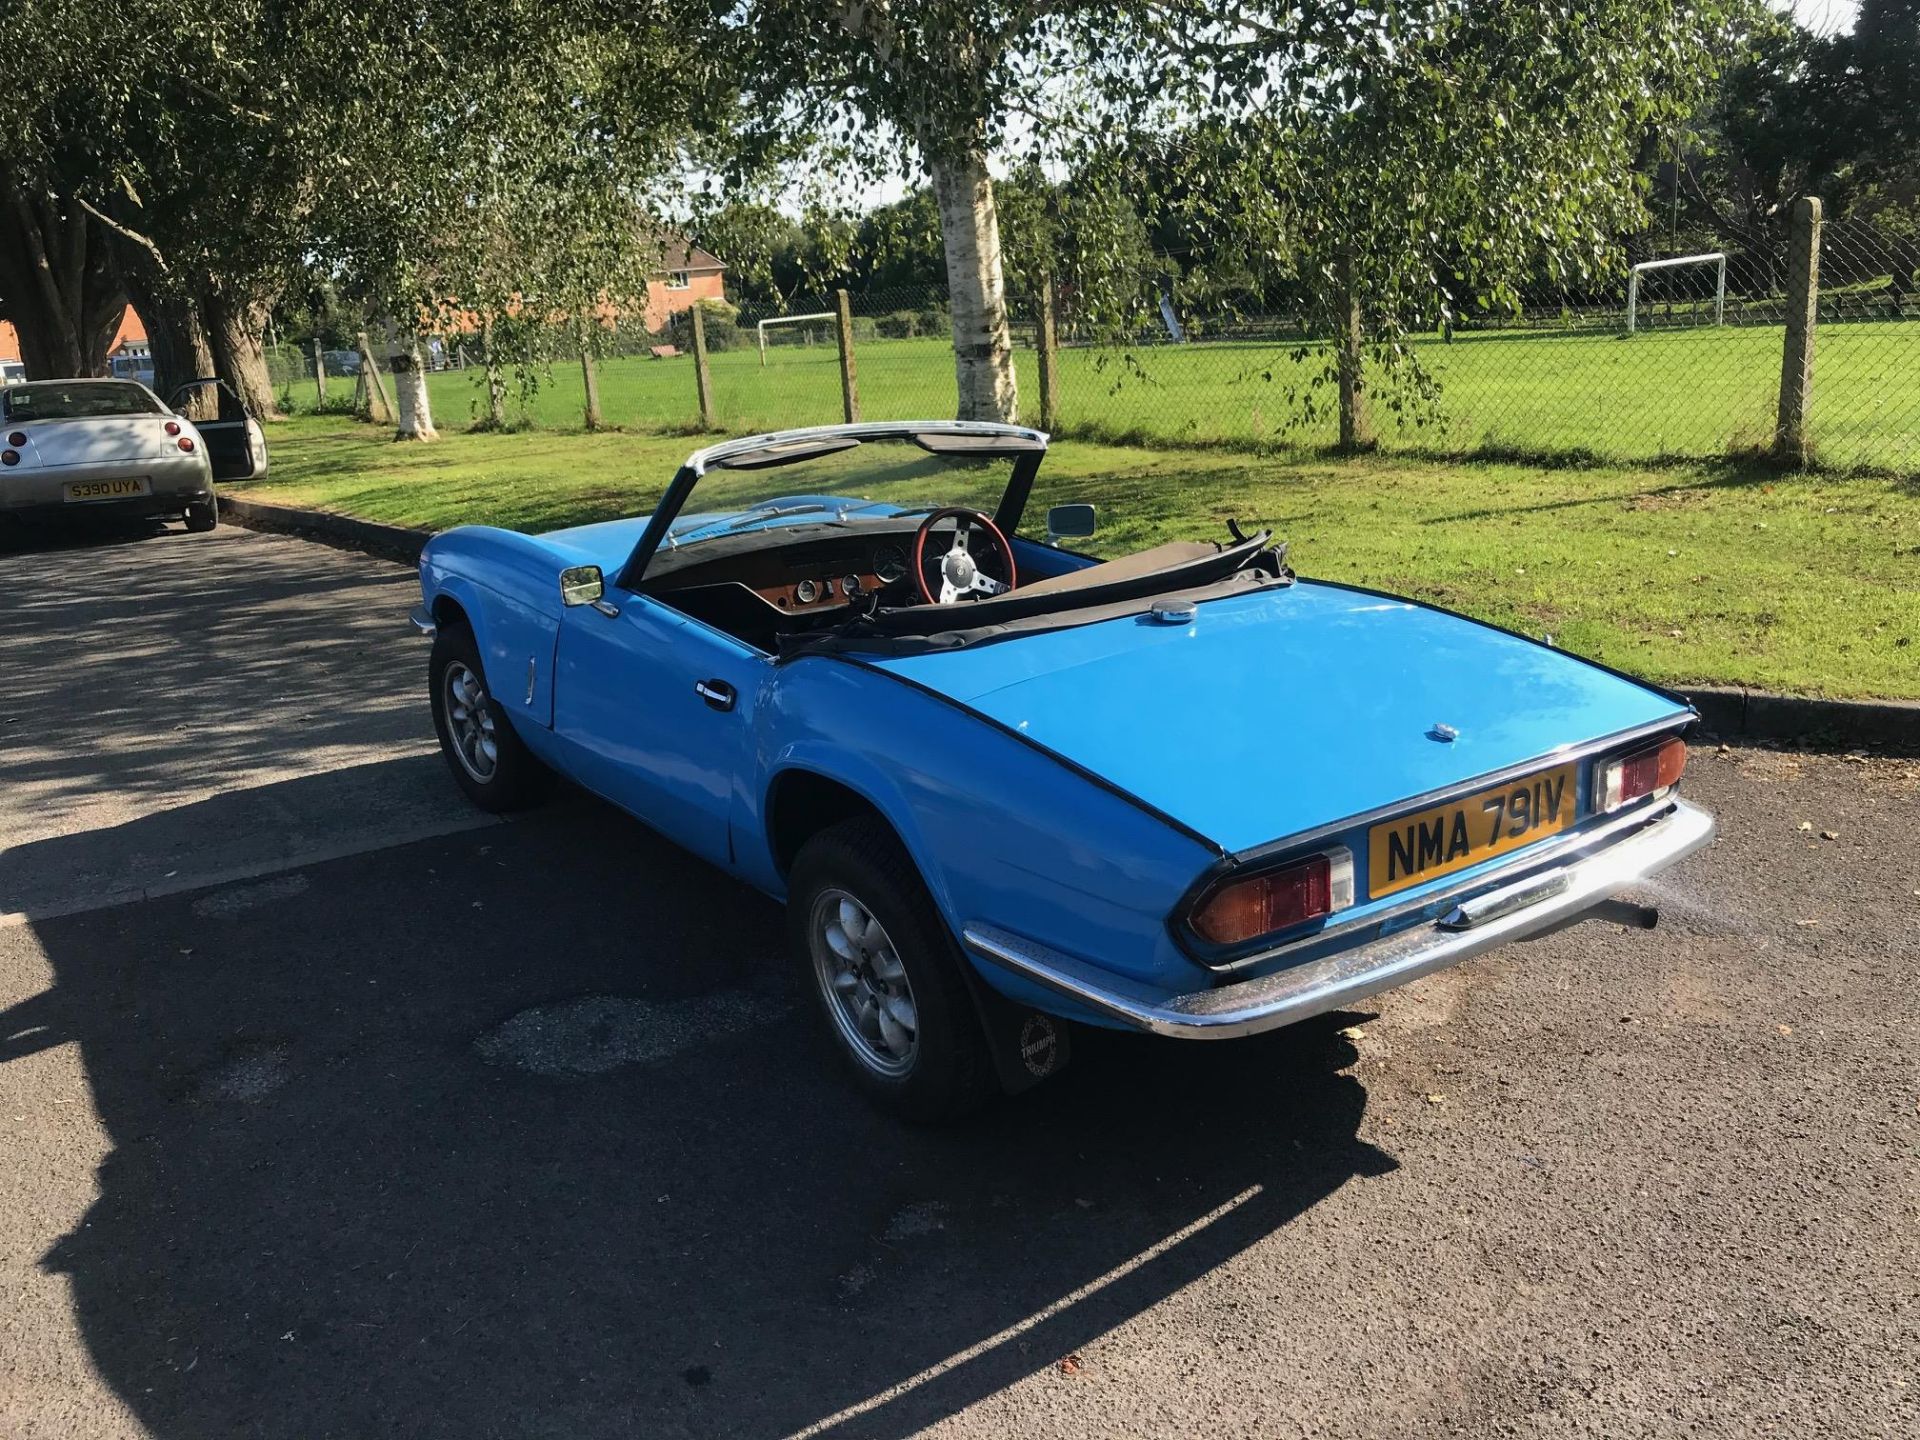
[834, 482]
[78, 400]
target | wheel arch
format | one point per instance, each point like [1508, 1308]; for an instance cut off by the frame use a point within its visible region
[449, 611]
[801, 802]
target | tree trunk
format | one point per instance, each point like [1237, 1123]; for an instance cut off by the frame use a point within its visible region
[410, 393]
[176, 328]
[235, 328]
[63, 296]
[496, 388]
[970, 232]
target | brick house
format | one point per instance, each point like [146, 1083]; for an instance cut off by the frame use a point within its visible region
[129, 339]
[687, 273]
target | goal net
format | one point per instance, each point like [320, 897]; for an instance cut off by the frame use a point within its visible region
[1691, 289]
[761, 329]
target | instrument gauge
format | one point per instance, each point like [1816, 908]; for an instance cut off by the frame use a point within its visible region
[889, 564]
[806, 592]
[850, 586]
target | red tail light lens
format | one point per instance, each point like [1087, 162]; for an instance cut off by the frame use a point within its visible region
[1639, 774]
[9, 457]
[173, 427]
[1245, 909]
[185, 442]
[18, 439]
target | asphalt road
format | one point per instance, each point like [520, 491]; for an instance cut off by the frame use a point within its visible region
[150, 674]
[521, 1131]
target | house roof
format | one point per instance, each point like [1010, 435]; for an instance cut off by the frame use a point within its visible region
[679, 253]
[132, 329]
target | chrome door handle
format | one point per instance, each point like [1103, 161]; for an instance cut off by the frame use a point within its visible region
[717, 693]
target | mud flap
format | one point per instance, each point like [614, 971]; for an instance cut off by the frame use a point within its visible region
[1027, 1045]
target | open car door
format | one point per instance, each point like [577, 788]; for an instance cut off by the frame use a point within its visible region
[236, 445]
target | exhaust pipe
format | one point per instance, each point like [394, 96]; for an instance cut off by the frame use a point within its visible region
[1625, 912]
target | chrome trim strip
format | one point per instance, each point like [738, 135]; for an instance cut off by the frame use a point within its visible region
[422, 621]
[703, 460]
[1313, 988]
[1566, 754]
[1543, 852]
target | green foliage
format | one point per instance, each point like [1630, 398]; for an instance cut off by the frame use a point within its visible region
[1419, 157]
[718, 319]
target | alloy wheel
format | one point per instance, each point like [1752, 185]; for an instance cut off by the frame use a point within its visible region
[470, 722]
[864, 983]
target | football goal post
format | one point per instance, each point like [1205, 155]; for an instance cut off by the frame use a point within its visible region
[1718, 259]
[761, 328]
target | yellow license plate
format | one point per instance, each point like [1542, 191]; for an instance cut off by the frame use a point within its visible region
[1450, 837]
[105, 489]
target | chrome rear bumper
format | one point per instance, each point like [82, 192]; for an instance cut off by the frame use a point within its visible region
[173, 481]
[1544, 900]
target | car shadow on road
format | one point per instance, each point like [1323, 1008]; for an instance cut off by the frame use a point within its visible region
[527, 1131]
[47, 538]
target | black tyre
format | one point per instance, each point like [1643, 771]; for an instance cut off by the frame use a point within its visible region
[203, 515]
[886, 974]
[487, 758]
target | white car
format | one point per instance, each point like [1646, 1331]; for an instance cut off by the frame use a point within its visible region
[75, 448]
[12, 372]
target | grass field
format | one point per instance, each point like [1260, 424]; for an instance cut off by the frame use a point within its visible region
[1683, 573]
[1689, 392]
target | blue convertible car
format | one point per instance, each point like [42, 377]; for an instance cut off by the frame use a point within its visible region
[1002, 785]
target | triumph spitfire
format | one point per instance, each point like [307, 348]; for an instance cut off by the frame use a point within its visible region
[1002, 785]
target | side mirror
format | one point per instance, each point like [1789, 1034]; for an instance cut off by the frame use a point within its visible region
[1069, 521]
[581, 585]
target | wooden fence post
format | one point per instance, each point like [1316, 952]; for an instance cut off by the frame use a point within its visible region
[588, 375]
[379, 407]
[702, 381]
[1803, 319]
[1356, 425]
[1049, 352]
[843, 328]
[319, 372]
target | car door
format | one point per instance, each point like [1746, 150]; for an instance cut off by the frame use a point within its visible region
[232, 437]
[658, 710]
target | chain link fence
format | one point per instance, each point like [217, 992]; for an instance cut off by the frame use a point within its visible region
[1681, 360]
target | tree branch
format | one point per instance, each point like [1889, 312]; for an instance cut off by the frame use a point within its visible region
[124, 233]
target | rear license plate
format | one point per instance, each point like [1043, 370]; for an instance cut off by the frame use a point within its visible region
[1464, 832]
[107, 489]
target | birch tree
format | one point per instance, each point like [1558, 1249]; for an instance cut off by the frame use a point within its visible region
[947, 87]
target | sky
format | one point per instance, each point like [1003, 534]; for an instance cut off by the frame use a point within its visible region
[1825, 17]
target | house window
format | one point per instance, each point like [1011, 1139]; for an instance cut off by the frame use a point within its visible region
[679, 280]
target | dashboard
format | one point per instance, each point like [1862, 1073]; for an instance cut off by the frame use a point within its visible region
[815, 574]
[821, 587]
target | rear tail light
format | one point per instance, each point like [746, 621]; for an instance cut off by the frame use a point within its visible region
[9, 457]
[1246, 908]
[173, 427]
[185, 442]
[18, 439]
[1636, 775]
